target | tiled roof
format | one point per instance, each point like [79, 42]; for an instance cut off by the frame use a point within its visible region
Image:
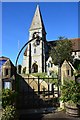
[3, 58]
[75, 43]
[5, 61]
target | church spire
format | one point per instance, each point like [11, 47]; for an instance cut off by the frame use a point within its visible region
[37, 21]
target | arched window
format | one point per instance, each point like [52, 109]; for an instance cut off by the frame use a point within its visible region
[34, 68]
[34, 50]
[48, 64]
[6, 71]
[67, 72]
[51, 64]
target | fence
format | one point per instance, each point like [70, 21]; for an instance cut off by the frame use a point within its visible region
[38, 92]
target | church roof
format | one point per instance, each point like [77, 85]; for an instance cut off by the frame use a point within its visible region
[75, 43]
[37, 21]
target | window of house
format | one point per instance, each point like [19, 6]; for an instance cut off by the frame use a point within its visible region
[79, 56]
[6, 72]
[50, 73]
[51, 64]
[67, 72]
[71, 72]
[48, 64]
[7, 85]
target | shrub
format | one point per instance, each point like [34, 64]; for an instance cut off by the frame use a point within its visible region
[8, 97]
[8, 101]
[9, 113]
[70, 90]
[41, 75]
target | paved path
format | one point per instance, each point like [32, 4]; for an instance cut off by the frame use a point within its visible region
[49, 116]
[59, 115]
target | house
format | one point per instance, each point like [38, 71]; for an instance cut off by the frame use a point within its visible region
[7, 72]
[34, 59]
[51, 68]
[36, 56]
[76, 48]
[67, 71]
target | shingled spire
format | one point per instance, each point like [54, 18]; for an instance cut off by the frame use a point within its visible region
[37, 21]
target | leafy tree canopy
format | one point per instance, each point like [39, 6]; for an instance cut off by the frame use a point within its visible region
[62, 51]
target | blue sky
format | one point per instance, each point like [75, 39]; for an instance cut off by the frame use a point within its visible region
[60, 19]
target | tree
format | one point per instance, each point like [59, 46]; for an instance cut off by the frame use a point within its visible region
[62, 51]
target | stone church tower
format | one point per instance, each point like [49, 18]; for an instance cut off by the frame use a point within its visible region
[34, 55]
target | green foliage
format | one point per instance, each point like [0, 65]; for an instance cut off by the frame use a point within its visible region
[8, 97]
[41, 75]
[70, 91]
[54, 74]
[55, 82]
[9, 113]
[8, 101]
[62, 51]
[53, 78]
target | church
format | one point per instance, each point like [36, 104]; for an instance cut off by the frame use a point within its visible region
[36, 57]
